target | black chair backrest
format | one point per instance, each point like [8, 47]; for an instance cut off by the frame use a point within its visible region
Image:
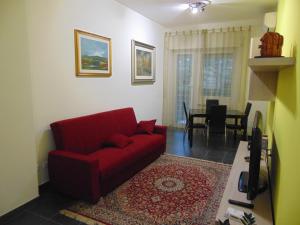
[217, 118]
[209, 104]
[185, 112]
[248, 108]
[244, 120]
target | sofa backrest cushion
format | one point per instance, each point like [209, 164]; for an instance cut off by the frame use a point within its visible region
[145, 127]
[87, 134]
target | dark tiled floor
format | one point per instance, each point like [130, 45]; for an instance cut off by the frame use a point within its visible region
[216, 148]
[44, 210]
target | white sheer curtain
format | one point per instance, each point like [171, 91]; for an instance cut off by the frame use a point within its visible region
[200, 65]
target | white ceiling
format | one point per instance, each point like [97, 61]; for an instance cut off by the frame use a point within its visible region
[169, 13]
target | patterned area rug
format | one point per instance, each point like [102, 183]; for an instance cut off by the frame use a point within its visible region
[172, 190]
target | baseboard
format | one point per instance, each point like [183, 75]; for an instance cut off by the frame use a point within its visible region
[44, 186]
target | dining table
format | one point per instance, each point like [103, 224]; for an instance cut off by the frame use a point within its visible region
[202, 113]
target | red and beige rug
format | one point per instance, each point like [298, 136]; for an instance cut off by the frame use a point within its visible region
[172, 190]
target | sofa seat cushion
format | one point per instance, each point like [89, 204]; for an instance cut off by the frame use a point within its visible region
[143, 144]
[114, 160]
[111, 160]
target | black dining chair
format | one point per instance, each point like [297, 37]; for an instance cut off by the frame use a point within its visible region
[209, 104]
[244, 123]
[188, 125]
[217, 123]
[217, 119]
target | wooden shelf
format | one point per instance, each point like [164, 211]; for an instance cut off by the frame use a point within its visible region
[263, 79]
[274, 64]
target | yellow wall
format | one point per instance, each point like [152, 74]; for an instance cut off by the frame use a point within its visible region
[284, 119]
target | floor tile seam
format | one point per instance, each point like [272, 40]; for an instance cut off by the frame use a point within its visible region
[224, 156]
[206, 153]
[18, 213]
[14, 217]
[8, 221]
[50, 219]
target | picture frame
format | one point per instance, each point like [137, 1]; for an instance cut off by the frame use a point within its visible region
[92, 55]
[143, 63]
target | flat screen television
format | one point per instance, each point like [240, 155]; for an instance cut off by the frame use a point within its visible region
[249, 181]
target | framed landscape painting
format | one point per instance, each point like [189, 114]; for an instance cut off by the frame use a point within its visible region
[93, 54]
[142, 63]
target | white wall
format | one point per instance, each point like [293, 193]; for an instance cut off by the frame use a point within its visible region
[261, 106]
[18, 167]
[58, 93]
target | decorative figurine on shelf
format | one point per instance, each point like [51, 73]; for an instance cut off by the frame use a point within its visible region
[271, 45]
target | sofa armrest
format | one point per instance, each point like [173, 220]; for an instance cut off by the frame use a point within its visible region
[74, 174]
[159, 129]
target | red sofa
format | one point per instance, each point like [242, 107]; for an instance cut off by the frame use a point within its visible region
[83, 168]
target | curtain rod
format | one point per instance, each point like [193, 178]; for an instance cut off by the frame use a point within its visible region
[221, 29]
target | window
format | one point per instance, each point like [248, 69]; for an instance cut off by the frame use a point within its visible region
[217, 75]
[184, 76]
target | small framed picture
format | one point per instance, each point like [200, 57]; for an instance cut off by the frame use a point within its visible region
[93, 54]
[142, 63]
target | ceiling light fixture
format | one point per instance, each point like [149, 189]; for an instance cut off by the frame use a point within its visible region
[183, 6]
[199, 6]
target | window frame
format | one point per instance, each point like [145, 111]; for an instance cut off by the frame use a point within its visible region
[176, 55]
[230, 51]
